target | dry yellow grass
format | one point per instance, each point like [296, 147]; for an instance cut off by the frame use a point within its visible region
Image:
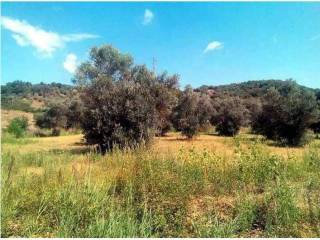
[8, 115]
[48, 144]
[36, 103]
[174, 141]
[223, 146]
[120, 167]
[171, 144]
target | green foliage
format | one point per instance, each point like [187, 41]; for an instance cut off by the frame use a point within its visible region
[18, 126]
[17, 88]
[24, 89]
[286, 117]
[192, 112]
[19, 95]
[148, 195]
[123, 104]
[229, 116]
[55, 117]
[14, 103]
[74, 113]
[7, 138]
[247, 213]
[123, 115]
[282, 213]
[256, 89]
[166, 96]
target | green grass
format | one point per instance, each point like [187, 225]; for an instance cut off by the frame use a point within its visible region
[139, 193]
[7, 138]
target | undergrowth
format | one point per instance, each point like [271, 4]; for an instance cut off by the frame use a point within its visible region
[138, 193]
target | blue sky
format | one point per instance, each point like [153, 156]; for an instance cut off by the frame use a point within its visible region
[205, 43]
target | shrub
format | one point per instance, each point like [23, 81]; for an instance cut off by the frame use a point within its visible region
[18, 126]
[285, 118]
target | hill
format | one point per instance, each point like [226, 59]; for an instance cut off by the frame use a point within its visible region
[255, 88]
[28, 97]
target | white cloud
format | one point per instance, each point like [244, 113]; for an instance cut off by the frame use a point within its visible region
[148, 17]
[45, 42]
[70, 63]
[215, 45]
[20, 40]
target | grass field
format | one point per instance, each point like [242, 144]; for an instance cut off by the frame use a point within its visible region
[8, 115]
[208, 187]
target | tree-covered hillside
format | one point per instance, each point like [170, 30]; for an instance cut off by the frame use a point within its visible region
[25, 96]
[256, 88]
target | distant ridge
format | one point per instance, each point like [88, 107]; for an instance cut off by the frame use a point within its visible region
[25, 96]
[254, 88]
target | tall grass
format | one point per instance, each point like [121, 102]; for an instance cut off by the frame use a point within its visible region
[139, 193]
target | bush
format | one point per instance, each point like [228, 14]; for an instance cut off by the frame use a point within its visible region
[18, 126]
[285, 118]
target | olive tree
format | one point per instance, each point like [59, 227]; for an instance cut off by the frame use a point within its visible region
[122, 102]
[229, 115]
[192, 112]
[165, 94]
[285, 117]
